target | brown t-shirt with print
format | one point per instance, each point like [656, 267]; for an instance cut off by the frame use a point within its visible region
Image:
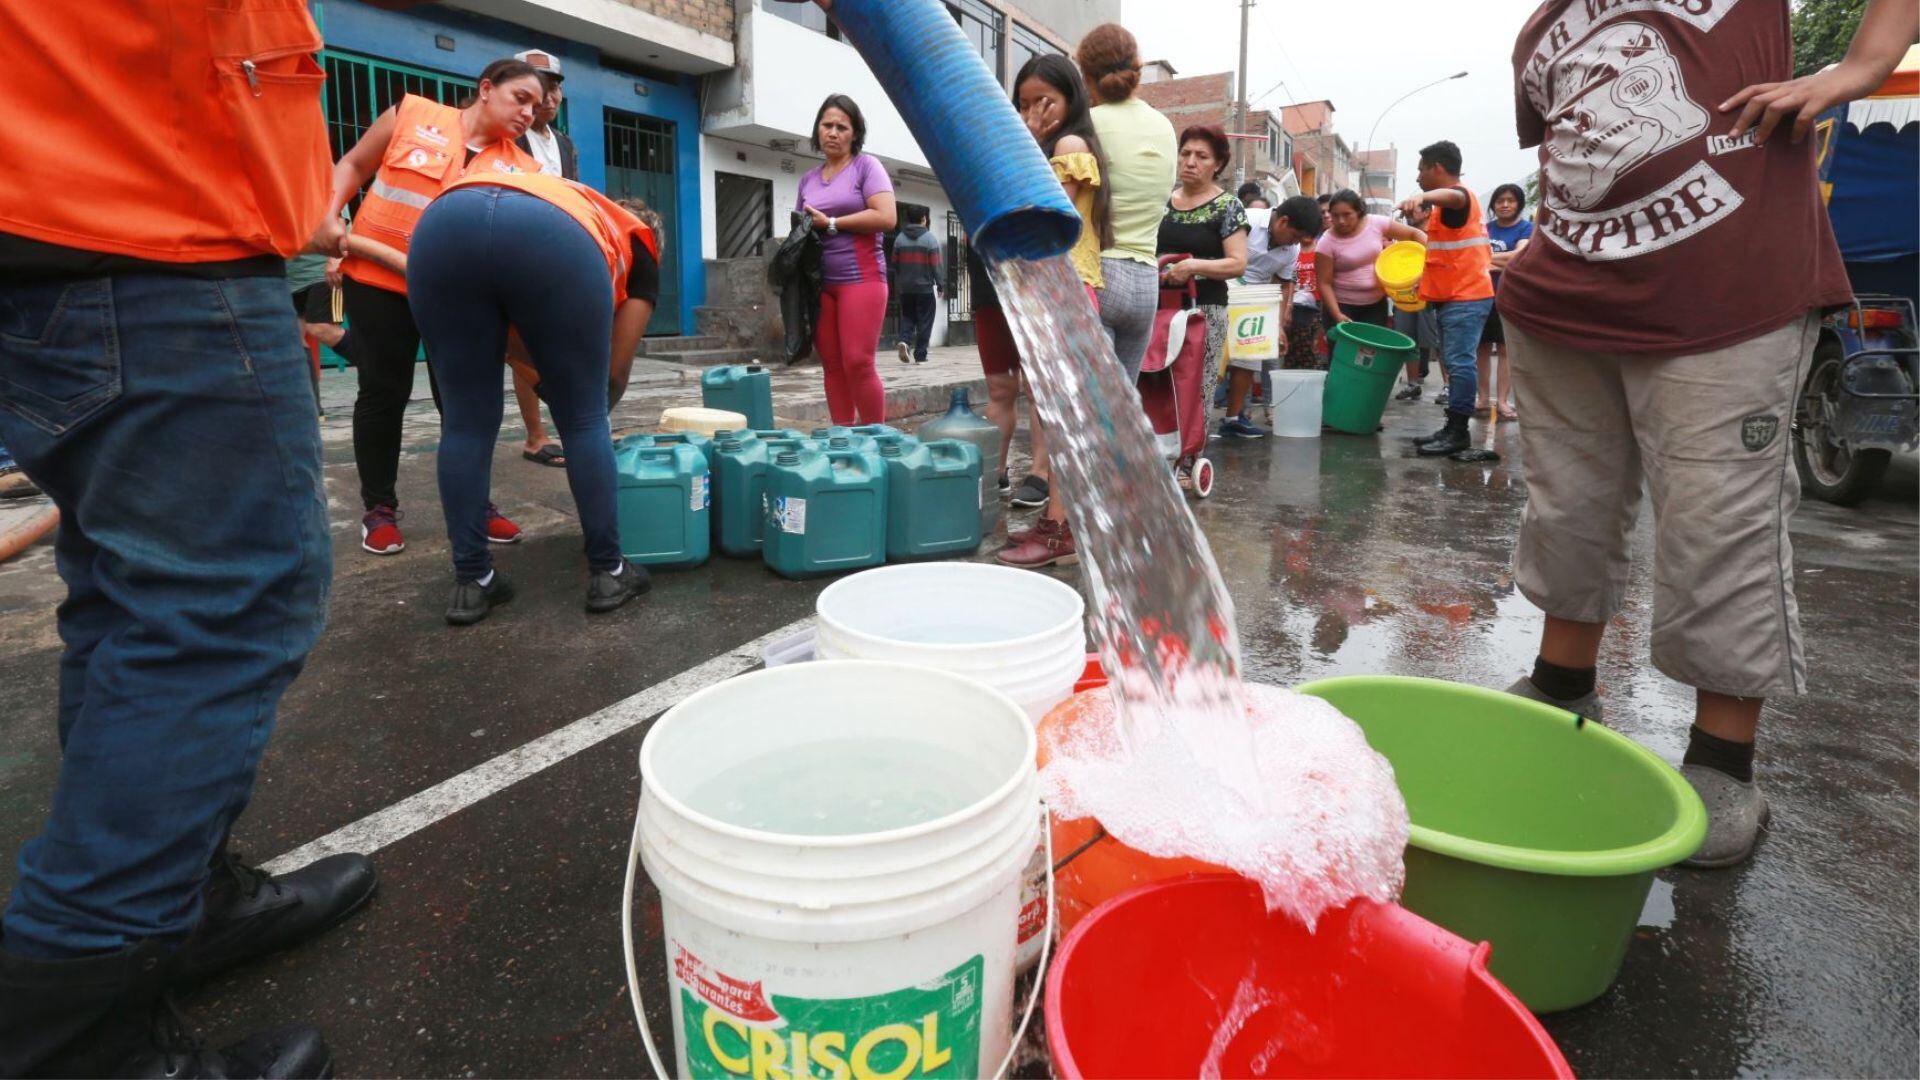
[1659, 235]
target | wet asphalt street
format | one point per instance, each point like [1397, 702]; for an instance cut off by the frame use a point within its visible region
[493, 948]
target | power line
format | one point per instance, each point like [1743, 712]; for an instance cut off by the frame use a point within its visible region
[1284, 55]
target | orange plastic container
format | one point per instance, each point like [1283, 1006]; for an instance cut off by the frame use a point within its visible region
[1106, 867]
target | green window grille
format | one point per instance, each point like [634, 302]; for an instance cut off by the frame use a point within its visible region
[360, 88]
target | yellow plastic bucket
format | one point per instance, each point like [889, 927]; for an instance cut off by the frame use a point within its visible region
[1399, 267]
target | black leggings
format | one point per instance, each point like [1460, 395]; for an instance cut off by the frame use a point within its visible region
[1376, 313]
[386, 345]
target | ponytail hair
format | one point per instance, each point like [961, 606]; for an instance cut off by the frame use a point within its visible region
[1109, 58]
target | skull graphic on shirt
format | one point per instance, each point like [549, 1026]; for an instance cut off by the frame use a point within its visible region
[1617, 101]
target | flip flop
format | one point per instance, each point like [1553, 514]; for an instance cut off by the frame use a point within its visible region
[549, 455]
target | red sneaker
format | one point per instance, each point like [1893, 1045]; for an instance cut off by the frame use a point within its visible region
[1049, 544]
[380, 531]
[499, 529]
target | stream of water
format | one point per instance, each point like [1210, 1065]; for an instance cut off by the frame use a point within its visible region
[1162, 617]
[1275, 785]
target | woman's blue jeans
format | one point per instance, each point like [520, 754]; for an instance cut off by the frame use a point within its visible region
[485, 259]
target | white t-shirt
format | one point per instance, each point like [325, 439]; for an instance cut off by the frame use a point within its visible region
[1264, 264]
[546, 150]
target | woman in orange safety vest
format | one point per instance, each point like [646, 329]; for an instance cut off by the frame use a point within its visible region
[570, 271]
[412, 153]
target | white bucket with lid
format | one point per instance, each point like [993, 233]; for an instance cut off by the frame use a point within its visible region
[838, 848]
[1253, 322]
[1019, 632]
[1296, 403]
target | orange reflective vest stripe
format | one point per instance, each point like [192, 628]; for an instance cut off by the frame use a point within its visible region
[611, 225]
[1459, 260]
[425, 157]
[174, 132]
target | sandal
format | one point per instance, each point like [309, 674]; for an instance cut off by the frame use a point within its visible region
[1508, 412]
[549, 455]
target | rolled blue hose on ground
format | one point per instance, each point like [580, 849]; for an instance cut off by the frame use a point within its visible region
[986, 158]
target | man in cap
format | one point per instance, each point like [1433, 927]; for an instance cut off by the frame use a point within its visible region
[550, 145]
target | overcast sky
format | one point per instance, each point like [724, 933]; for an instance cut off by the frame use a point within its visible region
[1362, 54]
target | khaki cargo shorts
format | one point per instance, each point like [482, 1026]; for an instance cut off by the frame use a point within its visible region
[1708, 435]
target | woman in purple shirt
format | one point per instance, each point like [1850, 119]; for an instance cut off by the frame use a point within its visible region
[850, 199]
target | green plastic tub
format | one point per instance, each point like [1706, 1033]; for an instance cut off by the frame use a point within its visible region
[1529, 831]
[1366, 360]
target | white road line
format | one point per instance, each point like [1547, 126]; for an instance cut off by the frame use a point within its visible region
[450, 796]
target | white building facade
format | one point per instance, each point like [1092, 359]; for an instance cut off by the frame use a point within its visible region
[758, 118]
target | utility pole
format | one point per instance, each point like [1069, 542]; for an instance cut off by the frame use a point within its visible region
[1243, 146]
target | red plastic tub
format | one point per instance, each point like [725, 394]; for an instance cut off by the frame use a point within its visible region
[1193, 978]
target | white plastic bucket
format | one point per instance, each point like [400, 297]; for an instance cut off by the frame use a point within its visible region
[1296, 403]
[1019, 632]
[871, 953]
[795, 648]
[1253, 322]
[700, 421]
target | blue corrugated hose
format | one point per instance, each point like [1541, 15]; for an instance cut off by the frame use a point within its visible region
[986, 158]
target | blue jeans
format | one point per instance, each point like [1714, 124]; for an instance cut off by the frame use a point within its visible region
[172, 421]
[484, 259]
[917, 312]
[1460, 324]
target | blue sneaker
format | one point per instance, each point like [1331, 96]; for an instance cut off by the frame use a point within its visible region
[1242, 428]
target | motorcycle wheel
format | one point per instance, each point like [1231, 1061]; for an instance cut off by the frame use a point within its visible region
[1829, 471]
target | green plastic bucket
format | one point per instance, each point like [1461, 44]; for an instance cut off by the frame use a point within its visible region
[1529, 831]
[1366, 360]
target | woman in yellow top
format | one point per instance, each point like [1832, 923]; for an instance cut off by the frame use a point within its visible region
[1053, 100]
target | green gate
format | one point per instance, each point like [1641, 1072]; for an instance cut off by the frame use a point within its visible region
[360, 88]
[640, 164]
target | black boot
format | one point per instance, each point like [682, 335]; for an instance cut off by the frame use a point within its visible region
[249, 912]
[1448, 440]
[109, 1015]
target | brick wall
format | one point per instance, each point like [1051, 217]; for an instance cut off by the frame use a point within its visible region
[713, 17]
[1198, 99]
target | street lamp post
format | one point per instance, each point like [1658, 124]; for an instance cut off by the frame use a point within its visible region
[1383, 112]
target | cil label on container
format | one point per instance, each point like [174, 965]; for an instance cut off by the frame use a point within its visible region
[789, 515]
[702, 495]
[733, 1027]
[1253, 333]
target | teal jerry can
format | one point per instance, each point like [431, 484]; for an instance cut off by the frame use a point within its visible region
[665, 500]
[859, 436]
[745, 389]
[743, 436]
[826, 511]
[665, 439]
[843, 438]
[740, 463]
[933, 498]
